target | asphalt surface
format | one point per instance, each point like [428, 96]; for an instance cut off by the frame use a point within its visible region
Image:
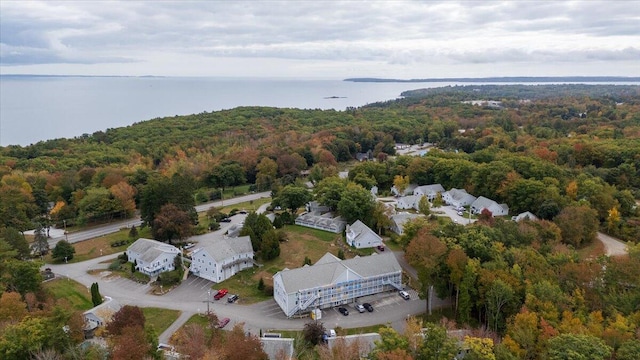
[191, 298]
[94, 232]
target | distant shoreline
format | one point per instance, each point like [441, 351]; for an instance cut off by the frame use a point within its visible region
[512, 79]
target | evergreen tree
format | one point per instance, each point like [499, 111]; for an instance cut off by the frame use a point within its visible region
[96, 298]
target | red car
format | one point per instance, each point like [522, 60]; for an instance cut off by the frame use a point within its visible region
[220, 294]
[223, 323]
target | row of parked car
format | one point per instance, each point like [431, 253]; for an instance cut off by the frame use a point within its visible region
[367, 307]
[222, 292]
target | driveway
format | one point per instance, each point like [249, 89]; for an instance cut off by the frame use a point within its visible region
[453, 214]
[193, 295]
[613, 246]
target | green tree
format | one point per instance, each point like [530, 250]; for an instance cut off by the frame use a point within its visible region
[437, 345]
[21, 276]
[270, 247]
[96, 298]
[424, 206]
[629, 350]
[426, 252]
[479, 348]
[497, 297]
[133, 232]
[293, 197]
[17, 241]
[356, 203]
[577, 347]
[63, 251]
[267, 171]
[40, 245]
[19, 341]
[329, 191]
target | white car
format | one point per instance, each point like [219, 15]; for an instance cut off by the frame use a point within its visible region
[360, 308]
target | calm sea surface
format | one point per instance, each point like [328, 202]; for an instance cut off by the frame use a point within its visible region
[33, 109]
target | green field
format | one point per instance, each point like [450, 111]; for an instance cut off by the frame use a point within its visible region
[159, 319]
[75, 293]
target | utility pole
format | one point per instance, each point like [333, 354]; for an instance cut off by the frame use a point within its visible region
[208, 301]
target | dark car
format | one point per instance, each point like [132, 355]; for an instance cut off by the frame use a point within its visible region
[343, 311]
[220, 294]
[225, 220]
[380, 247]
[368, 307]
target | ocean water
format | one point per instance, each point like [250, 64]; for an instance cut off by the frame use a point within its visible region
[38, 108]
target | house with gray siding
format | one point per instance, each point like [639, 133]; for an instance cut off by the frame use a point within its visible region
[458, 197]
[430, 191]
[482, 203]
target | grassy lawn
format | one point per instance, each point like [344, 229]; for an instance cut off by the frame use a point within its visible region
[100, 246]
[73, 292]
[159, 318]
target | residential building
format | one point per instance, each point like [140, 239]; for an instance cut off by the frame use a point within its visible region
[332, 282]
[218, 258]
[482, 203]
[99, 316]
[408, 202]
[398, 221]
[317, 208]
[326, 222]
[524, 216]
[430, 191]
[152, 257]
[407, 191]
[458, 198]
[361, 236]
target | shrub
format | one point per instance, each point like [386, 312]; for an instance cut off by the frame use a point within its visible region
[261, 284]
[123, 257]
[268, 290]
[115, 265]
[170, 278]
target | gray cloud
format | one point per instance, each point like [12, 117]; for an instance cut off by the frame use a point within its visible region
[395, 33]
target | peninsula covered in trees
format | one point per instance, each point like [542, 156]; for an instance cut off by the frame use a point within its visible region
[569, 154]
[509, 79]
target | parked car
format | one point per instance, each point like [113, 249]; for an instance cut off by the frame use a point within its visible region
[220, 294]
[460, 213]
[225, 220]
[404, 295]
[222, 323]
[360, 308]
[232, 298]
[381, 247]
[368, 307]
[243, 211]
[343, 311]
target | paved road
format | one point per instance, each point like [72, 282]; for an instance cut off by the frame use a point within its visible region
[82, 235]
[613, 246]
[190, 298]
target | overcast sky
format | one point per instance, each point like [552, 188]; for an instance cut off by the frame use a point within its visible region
[325, 39]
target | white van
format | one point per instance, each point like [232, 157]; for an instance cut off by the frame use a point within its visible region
[404, 295]
[331, 333]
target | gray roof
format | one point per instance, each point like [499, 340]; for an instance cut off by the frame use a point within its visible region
[360, 230]
[149, 250]
[326, 272]
[483, 202]
[458, 194]
[429, 189]
[222, 248]
[276, 347]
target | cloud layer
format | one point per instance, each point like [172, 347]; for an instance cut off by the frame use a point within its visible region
[321, 38]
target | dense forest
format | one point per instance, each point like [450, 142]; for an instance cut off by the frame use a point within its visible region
[570, 154]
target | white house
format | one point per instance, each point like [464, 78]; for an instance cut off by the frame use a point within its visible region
[332, 282]
[361, 236]
[458, 197]
[408, 202]
[152, 257]
[430, 191]
[100, 315]
[398, 221]
[219, 258]
[524, 216]
[482, 203]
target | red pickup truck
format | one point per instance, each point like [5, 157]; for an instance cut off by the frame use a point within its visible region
[220, 294]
